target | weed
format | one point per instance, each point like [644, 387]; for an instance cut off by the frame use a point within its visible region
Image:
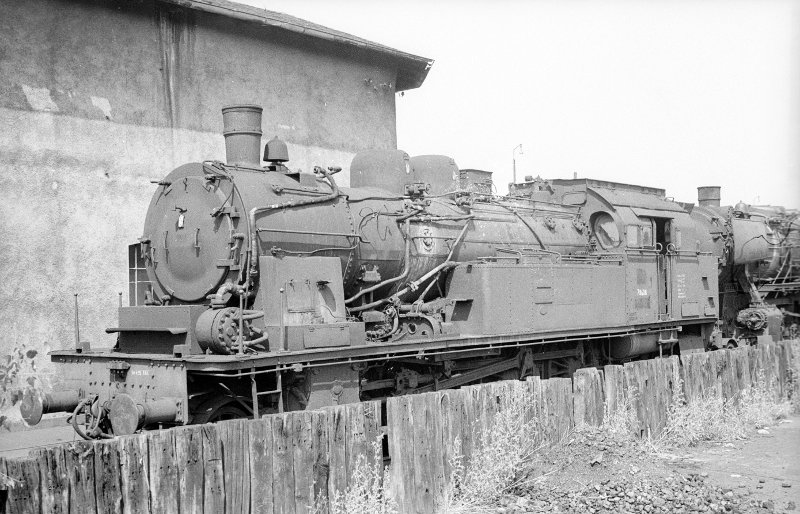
[367, 492]
[500, 461]
[713, 418]
[621, 421]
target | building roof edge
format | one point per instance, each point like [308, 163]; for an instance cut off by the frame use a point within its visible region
[412, 69]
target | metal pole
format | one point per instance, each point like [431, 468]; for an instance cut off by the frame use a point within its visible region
[514, 161]
[77, 326]
[280, 391]
[120, 299]
[241, 323]
[514, 164]
[254, 392]
[283, 345]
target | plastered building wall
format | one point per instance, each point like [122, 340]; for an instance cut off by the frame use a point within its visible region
[99, 98]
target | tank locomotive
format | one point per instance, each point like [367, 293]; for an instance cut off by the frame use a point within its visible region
[260, 289]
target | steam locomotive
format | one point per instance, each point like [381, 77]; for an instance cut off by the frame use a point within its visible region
[260, 289]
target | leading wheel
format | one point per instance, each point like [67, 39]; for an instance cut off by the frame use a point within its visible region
[219, 409]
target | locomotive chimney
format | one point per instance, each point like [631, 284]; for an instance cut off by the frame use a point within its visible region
[708, 196]
[242, 131]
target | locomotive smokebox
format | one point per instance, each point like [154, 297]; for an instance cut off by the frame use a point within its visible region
[708, 196]
[242, 131]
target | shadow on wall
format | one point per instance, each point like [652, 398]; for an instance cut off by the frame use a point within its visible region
[18, 370]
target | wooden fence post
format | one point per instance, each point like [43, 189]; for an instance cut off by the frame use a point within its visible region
[401, 440]
[337, 451]
[134, 471]
[260, 449]
[25, 496]
[587, 393]
[470, 421]
[450, 406]
[79, 460]
[191, 466]
[303, 456]
[213, 471]
[107, 483]
[557, 404]
[164, 484]
[425, 472]
[321, 460]
[283, 464]
[615, 389]
[54, 480]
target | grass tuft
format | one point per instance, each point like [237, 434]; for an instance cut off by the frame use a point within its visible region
[500, 461]
[368, 492]
[711, 418]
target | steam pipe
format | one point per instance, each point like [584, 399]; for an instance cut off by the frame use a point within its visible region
[404, 274]
[448, 263]
[530, 227]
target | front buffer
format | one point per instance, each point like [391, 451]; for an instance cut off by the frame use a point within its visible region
[110, 396]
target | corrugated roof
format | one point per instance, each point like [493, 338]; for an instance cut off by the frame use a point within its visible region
[412, 69]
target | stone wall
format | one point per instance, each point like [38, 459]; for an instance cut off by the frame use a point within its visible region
[98, 98]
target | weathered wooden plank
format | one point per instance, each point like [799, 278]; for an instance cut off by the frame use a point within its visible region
[449, 408]
[424, 490]
[533, 413]
[337, 451]
[303, 455]
[260, 439]
[651, 379]
[213, 471]
[487, 410]
[435, 434]
[164, 484]
[79, 459]
[726, 371]
[319, 444]
[107, 484]
[399, 427]
[25, 497]
[668, 379]
[770, 359]
[637, 376]
[765, 365]
[557, 412]
[54, 479]
[741, 368]
[373, 433]
[233, 435]
[283, 464]
[588, 397]
[357, 445]
[470, 423]
[699, 375]
[133, 470]
[614, 389]
[784, 365]
[189, 454]
[717, 372]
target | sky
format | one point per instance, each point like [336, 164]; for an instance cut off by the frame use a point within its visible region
[672, 94]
